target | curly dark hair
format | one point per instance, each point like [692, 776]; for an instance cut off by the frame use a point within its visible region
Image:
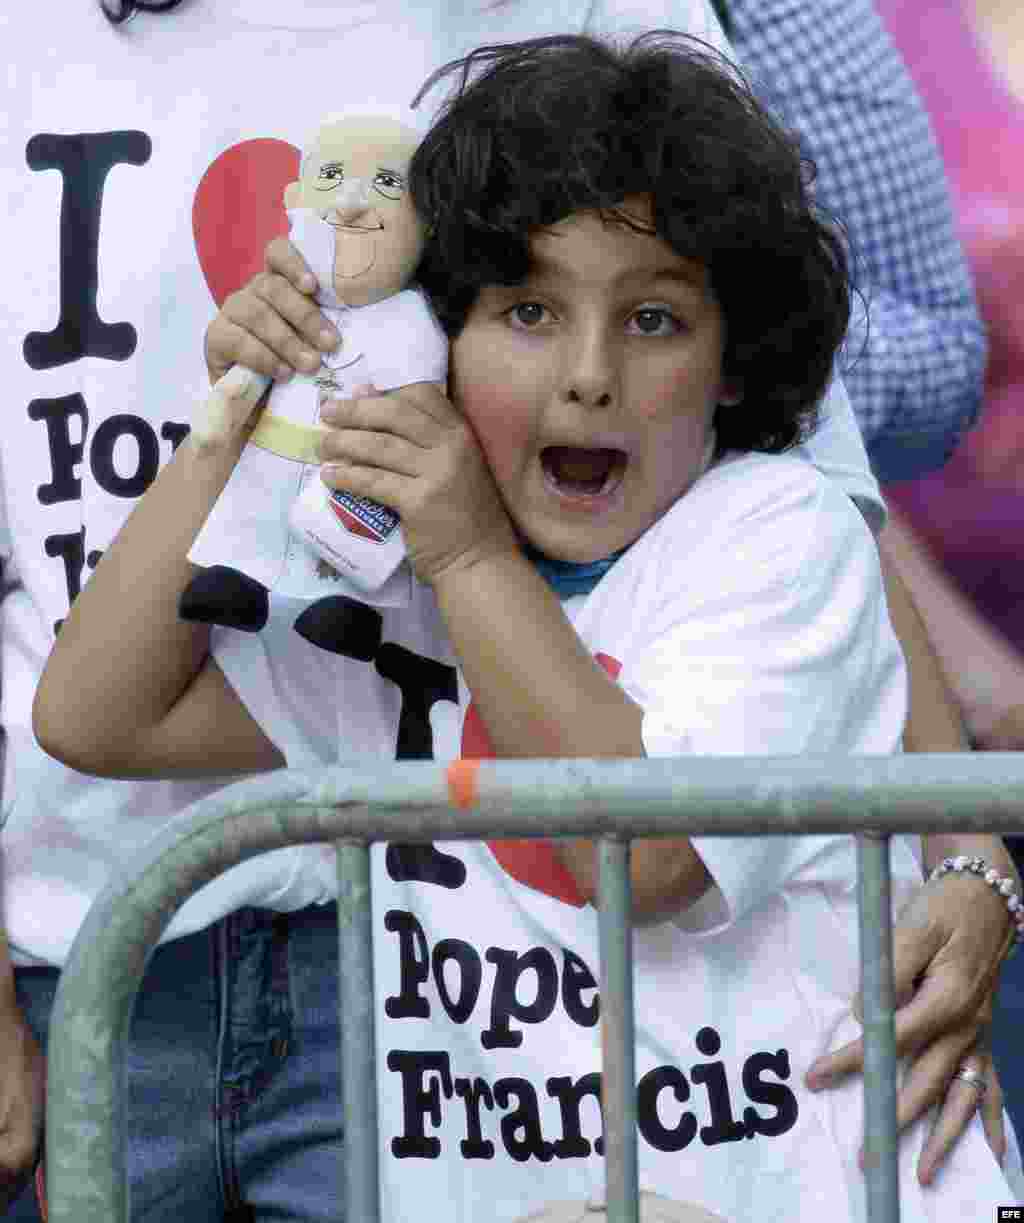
[537, 130]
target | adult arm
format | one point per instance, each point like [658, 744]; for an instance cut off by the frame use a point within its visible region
[22, 1088]
[950, 939]
[831, 70]
[165, 709]
[990, 691]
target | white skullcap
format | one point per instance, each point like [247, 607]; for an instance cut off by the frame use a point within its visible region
[416, 120]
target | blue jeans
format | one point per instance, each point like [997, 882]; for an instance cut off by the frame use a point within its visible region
[233, 1108]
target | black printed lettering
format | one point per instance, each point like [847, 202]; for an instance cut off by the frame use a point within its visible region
[84, 161]
[780, 1097]
[474, 1145]
[569, 1094]
[422, 682]
[71, 550]
[505, 1005]
[65, 454]
[724, 1127]
[419, 1102]
[414, 967]
[101, 455]
[577, 977]
[520, 1129]
[175, 433]
[470, 974]
[424, 864]
[649, 1122]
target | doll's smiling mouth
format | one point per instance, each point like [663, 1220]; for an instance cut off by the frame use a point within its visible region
[580, 471]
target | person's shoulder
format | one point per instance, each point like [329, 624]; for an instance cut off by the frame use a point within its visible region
[762, 514]
[754, 484]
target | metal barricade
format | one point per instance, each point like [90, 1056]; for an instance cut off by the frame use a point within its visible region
[614, 801]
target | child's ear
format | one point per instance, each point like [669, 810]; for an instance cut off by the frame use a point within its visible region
[293, 195]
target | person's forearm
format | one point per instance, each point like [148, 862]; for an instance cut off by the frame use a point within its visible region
[537, 688]
[123, 657]
[541, 694]
[933, 722]
[933, 718]
[993, 682]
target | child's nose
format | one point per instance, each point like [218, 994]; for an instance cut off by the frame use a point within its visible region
[591, 377]
[596, 399]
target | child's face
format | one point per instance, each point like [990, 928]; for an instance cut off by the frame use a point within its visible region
[592, 386]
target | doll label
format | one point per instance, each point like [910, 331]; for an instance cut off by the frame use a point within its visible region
[362, 517]
[359, 538]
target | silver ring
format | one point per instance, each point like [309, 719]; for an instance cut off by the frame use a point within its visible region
[975, 1078]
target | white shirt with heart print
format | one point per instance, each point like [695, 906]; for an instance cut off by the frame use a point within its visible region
[142, 176]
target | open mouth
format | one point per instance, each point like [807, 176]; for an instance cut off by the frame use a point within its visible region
[578, 471]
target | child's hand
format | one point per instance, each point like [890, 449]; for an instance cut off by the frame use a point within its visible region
[410, 450]
[273, 324]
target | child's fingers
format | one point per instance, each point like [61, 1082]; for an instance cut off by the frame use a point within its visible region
[396, 413]
[283, 257]
[269, 301]
[261, 319]
[361, 448]
[422, 408]
[228, 345]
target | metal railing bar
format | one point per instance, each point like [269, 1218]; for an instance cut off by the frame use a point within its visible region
[618, 1073]
[413, 801]
[360, 1189]
[876, 962]
[722, 796]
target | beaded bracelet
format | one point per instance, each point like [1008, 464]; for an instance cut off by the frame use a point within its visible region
[1005, 887]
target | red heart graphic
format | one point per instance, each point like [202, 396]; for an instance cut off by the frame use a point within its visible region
[533, 863]
[238, 208]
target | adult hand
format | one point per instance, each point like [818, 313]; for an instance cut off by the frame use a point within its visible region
[411, 450]
[22, 1094]
[273, 325]
[947, 946]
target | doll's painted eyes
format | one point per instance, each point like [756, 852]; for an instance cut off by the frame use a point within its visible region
[389, 184]
[330, 174]
[386, 182]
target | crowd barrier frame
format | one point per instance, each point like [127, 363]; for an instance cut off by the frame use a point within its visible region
[614, 801]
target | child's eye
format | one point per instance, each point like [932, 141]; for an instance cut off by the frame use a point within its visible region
[656, 321]
[525, 315]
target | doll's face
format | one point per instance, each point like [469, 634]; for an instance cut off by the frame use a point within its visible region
[356, 181]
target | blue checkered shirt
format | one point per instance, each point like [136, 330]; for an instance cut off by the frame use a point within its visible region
[830, 70]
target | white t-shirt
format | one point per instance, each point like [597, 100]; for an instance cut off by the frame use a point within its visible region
[751, 619]
[141, 175]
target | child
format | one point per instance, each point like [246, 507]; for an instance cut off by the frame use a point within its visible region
[606, 228]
